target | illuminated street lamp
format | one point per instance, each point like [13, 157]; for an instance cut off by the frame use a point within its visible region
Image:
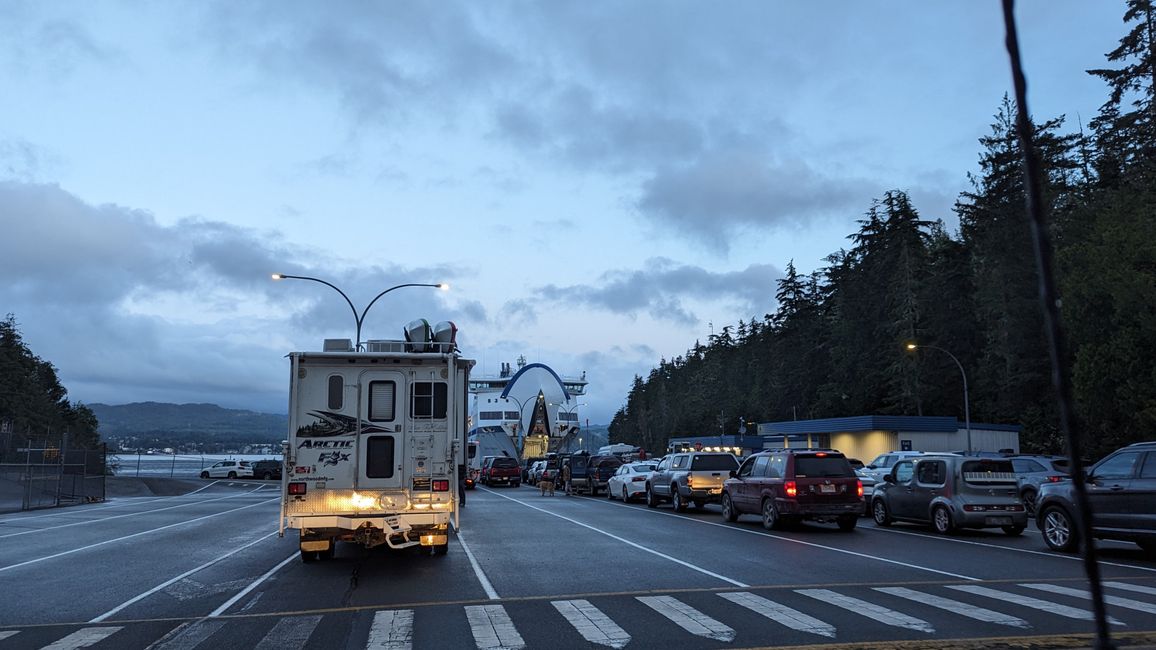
[567, 410]
[359, 319]
[966, 409]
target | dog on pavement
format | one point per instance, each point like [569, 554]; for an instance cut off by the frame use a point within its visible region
[546, 486]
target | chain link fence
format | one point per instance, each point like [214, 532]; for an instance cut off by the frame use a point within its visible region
[40, 474]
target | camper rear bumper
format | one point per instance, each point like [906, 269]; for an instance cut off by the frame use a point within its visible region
[348, 522]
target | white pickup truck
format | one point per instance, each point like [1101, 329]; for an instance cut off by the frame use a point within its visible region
[690, 477]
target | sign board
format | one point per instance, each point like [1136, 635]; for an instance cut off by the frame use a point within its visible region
[904, 445]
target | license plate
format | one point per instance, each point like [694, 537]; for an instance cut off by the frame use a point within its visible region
[827, 489]
[715, 491]
[998, 521]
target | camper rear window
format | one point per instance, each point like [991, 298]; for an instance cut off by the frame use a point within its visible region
[381, 400]
[336, 392]
[429, 400]
[379, 457]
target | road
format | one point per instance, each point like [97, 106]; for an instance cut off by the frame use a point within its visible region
[207, 569]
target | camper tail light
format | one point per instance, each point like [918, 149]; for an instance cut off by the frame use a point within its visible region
[441, 485]
[296, 488]
[363, 501]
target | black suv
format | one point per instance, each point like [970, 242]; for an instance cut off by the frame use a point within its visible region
[1121, 492]
[790, 485]
[267, 469]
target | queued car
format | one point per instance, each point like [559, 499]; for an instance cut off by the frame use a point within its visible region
[883, 463]
[1121, 490]
[629, 481]
[951, 492]
[267, 469]
[1033, 471]
[500, 470]
[534, 474]
[868, 482]
[788, 486]
[690, 477]
[228, 469]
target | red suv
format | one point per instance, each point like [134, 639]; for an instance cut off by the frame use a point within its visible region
[500, 470]
[792, 485]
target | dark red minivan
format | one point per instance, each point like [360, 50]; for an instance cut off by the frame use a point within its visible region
[787, 486]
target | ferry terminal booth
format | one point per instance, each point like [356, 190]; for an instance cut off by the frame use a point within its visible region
[863, 437]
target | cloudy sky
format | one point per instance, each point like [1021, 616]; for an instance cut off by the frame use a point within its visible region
[599, 181]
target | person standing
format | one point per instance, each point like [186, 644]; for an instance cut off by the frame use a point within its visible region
[566, 477]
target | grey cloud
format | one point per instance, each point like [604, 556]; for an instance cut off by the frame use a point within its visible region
[710, 198]
[660, 287]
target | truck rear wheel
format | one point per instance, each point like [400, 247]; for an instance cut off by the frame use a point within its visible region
[441, 549]
[308, 556]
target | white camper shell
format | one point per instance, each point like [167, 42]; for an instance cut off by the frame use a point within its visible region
[375, 440]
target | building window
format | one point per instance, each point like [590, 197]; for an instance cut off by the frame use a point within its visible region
[379, 457]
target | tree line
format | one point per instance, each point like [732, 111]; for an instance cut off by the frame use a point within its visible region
[836, 343]
[34, 406]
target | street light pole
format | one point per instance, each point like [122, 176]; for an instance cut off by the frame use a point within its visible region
[966, 408]
[359, 319]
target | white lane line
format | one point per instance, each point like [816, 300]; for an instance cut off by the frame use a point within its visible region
[870, 610]
[1126, 603]
[493, 629]
[1028, 601]
[4, 634]
[101, 520]
[83, 638]
[781, 614]
[688, 618]
[187, 636]
[143, 532]
[591, 623]
[738, 529]
[956, 607]
[1071, 557]
[229, 603]
[288, 633]
[1126, 586]
[626, 541]
[392, 630]
[489, 588]
[184, 575]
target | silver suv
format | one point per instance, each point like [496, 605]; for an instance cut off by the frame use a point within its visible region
[951, 492]
[692, 477]
[884, 462]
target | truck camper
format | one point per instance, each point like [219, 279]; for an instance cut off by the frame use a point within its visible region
[376, 437]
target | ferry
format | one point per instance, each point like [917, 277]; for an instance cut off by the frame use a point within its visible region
[526, 411]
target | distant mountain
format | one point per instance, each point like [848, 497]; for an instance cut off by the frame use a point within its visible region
[181, 420]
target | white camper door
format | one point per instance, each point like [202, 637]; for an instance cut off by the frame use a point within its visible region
[381, 439]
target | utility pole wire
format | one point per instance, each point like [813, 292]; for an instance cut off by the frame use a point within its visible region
[1050, 303]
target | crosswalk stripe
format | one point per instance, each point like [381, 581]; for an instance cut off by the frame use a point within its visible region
[83, 638]
[1028, 601]
[392, 630]
[688, 618]
[289, 633]
[1126, 603]
[779, 613]
[187, 636]
[493, 629]
[1127, 586]
[591, 623]
[870, 610]
[4, 634]
[956, 607]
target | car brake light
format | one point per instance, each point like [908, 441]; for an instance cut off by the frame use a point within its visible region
[441, 485]
[1055, 479]
[791, 488]
[638, 479]
[859, 487]
[822, 454]
[296, 488]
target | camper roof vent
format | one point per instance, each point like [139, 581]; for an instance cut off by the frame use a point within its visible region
[338, 345]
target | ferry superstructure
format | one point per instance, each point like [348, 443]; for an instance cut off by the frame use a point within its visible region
[532, 407]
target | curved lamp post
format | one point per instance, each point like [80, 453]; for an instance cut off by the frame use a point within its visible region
[966, 409]
[569, 410]
[359, 318]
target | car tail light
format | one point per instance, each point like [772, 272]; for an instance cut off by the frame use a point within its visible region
[296, 488]
[1055, 479]
[1016, 508]
[638, 479]
[859, 487]
[441, 485]
[822, 454]
[792, 488]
